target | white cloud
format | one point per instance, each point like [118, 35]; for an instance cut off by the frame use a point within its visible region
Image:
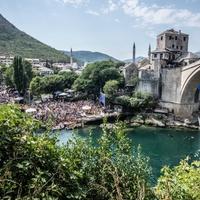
[160, 15]
[92, 12]
[111, 6]
[74, 2]
[145, 13]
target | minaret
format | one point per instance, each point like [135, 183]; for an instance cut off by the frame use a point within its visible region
[149, 53]
[71, 57]
[134, 52]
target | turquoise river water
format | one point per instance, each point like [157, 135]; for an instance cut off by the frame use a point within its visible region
[162, 146]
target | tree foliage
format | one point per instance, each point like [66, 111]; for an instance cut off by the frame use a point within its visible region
[52, 83]
[95, 75]
[110, 89]
[35, 167]
[19, 75]
[181, 182]
[137, 101]
[8, 77]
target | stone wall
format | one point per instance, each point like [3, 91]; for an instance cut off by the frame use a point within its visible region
[171, 84]
[182, 110]
[148, 83]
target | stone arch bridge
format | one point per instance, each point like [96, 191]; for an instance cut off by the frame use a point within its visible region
[180, 89]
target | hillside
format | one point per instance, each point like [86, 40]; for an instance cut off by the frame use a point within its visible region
[138, 59]
[88, 56]
[15, 42]
[198, 53]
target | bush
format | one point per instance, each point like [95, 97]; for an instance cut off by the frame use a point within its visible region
[181, 182]
[137, 101]
[123, 100]
[35, 167]
[110, 89]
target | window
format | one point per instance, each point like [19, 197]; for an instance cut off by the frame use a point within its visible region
[155, 55]
[176, 47]
[172, 46]
[161, 38]
[176, 38]
[170, 37]
[161, 56]
[184, 38]
[181, 47]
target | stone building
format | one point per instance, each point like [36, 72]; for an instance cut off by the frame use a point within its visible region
[130, 69]
[172, 74]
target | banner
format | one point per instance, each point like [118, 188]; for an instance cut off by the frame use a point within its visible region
[102, 99]
[198, 87]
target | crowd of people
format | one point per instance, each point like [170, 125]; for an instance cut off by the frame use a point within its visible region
[6, 96]
[60, 113]
[66, 114]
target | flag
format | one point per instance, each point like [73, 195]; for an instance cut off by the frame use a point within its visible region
[198, 87]
[102, 99]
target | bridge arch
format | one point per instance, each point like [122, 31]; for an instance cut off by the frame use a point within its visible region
[189, 89]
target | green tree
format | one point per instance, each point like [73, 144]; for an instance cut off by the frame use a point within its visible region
[68, 78]
[35, 167]
[22, 75]
[110, 89]
[28, 71]
[9, 77]
[95, 75]
[52, 83]
[180, 182]
[37, 86]
[3, 69]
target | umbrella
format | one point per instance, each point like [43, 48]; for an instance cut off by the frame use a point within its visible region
[63, 94]
[19, 99]
[31, 110]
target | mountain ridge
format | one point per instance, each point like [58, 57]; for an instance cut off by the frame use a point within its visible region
[138, 59]
[90, 56]
[13, 42]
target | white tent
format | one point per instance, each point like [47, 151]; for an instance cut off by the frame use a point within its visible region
[31, 110]
[63, 94]
[86, 108]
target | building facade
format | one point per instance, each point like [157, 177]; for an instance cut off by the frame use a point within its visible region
[173, 74]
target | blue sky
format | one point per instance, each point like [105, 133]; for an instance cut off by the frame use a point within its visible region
[109, 26]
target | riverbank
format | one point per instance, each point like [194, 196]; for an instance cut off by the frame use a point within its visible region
[145, 119]
[161, 121]
[89, 120]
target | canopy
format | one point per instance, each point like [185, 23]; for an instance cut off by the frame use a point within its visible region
[63, 94]
[19, 100]
[70, 90]
[31, 110]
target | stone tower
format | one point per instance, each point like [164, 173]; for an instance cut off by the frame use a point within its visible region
[134, 52]
[149, 53]
[71, 57]
[170, 45]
